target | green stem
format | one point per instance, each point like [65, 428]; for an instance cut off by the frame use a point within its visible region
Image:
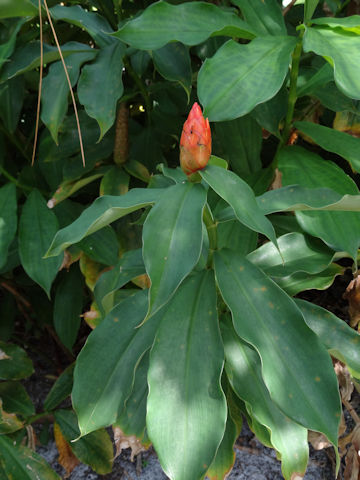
[140, 86]
[294, 72]
[13, 180]
[212, 234]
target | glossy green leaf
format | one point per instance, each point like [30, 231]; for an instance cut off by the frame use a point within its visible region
[37, 227]
[27, 57]
[264, 16]
[55, 92]
[115, 182]
[341, 340]
[102, 212]
[9, 422]
[68, 306]
[15, 399]
[190, 23]
[61, 388]
[128, 267]
[21, 462]
[269, 114]
[8, 219]
[268, 319]
[309, 9]
[342, 50]
[173, 62]
[236, 236]
[172, 240]
[94, 449]
[347, 23]
[99, 94]
[340, 230]
[330, 97]
[186, 409]
[132, 419]
[96, 25]
[11, 102]
[103, 381]
[8, 45]
[240, 142]
[14, 363]
[225, 456]
[240, 197]
[250, 74]
[20, 8]
[102, 246]
[243, 368]
[319, 80]
[300, 281]
[300, 253]
[334, 141]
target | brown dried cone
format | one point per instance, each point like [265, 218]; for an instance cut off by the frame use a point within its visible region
[121, 146]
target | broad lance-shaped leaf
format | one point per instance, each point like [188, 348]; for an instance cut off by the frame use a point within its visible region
[264, 17]
[250, 74]
[340, 230]
[240, 197]
[309, 9]
[102, 212]
[268, 319]
[225, 456]
[98, 93]
[186, 409]
[342, 51]
[243, 368]
[190, 23]
[17, 461]
[37, 227]
[14, 364]
[20, 8]
[103, 381]
[172, 240]
[334, 141]
[55, 91]
[341, 340]
[8, 219]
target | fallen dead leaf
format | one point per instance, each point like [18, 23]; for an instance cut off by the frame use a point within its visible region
[352, 295]
[345, 381]
[276, 183]
[66, 457]
[123, 441]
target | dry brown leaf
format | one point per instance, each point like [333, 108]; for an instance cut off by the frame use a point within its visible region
[352, 467]
[66, 457]
[296, 476]
[31, 438]
[352, 295]
[69, 259]
[93, 316]
[318, 440]
[276, 183]
[345, 381]
[123, 441]
[3, 355]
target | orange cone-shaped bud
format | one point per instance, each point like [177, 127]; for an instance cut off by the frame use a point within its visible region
[195, 142]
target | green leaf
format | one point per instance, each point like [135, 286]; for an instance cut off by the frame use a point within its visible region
[8, 219]
[7, 48]
[20, 8]
[115, 182]
[172, 240]
[128, 267]
[250, 74]
[347, 23]
[55, 93]
[9, 422]
[334, 141]
[240, 197]
[268, 319]
[132, 419]
[102, 212]
[320, 79]
[243, 368]
[225, 456]
[99, 94]
[240, 141]
[14, 363]
[300, 281]
[15, 399]
[21, 462]
[342, 50]
[61, 389]
[103, 381]
[96, 25]
[173, 62]
[27, 57]
[11, 102]
[94, 449]
[190, 23]
[102, 246]
[309, 9]
[341, 340]
[186, 409]
[68, 306]
[300, 253]
[299, 166]
[269, 114]
[265, 17]
[236, 236]
[37, 227]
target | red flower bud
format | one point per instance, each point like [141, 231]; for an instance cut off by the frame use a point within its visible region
[195, 142]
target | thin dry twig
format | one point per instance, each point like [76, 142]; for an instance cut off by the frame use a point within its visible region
[40, 86]
[289, 7]
[351, 410]
[69, 83]
[16, 294]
